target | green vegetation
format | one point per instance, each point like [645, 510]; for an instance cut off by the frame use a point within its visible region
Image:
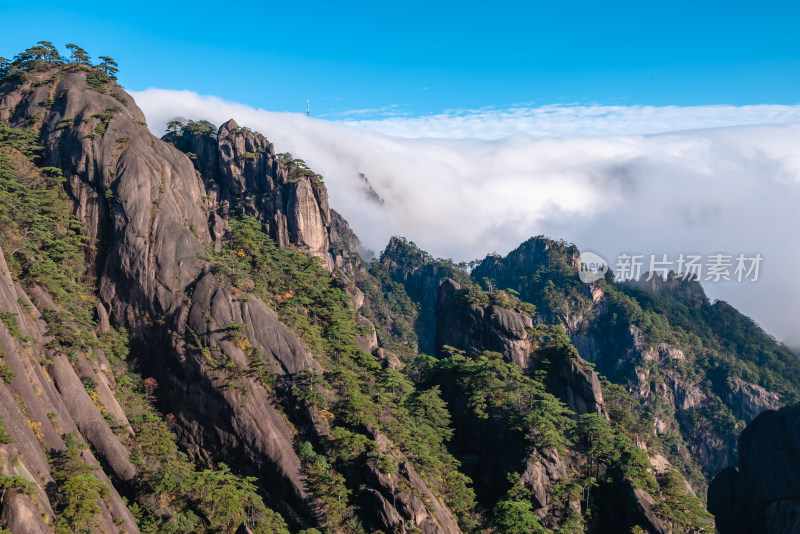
[192, 128]
[39, 236]
[353, 390]
[517, 517]
[400, 294]
[296, 166]
[679, 508]
[103, 118]
[498, 388]
[6, 373]
[507, 399]
[726, 344]
[717, 343]
[212, 500]
[17, 483]
[44, 247]
[390, 309]
[45, 57]
[77, 490]
[4, 436]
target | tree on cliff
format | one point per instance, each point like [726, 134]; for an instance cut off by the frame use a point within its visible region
[109, 66]
[78, 55]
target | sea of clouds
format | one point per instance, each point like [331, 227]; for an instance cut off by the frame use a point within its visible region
[637, 179]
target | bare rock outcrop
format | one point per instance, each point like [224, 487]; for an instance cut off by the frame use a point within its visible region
[748, 400]
[763, 495]
[542, 472]
[474, 328]
[243, 175]
[577, 385]
[147, 215]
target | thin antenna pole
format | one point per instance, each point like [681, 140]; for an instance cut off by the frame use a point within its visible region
[308, 108]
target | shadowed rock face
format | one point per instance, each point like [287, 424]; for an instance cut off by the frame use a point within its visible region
[404, 495]
[421, 275]
[649, 365]
[577, 385]
[474, 329]
[542, 471]
[763, 496]
[153, 227]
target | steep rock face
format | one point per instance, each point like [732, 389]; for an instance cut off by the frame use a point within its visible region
[749, 400]
[764, 495]
[342, 235]
[243, 174]
[635, 333]
[571, 380]
[210, 347]
[151, 220]
[44, 385]
[401, 501]
[542, 472]
[474, 328]
[420, 274]
[645, 506]
[226, 369]
[145, 210]
[348, 252]
[258, 437]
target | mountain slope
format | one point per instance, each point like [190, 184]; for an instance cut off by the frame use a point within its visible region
[191, 342]
[229, 375]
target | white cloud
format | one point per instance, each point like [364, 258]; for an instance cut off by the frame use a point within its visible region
[731, 190]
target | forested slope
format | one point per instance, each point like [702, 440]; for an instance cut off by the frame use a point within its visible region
[191, 343]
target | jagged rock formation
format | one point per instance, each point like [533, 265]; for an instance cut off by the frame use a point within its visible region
[474, 329]
[369, 191]
[749, 400]
[156, 231]
[542, 472]
[764, 494]
[243, 174]
[403, 495]
[474, 324]
[420, 274]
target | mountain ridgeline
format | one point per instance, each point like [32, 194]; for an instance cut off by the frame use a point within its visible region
[191, 342]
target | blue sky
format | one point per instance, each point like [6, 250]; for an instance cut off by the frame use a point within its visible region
[494, 121]
[417, 58]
